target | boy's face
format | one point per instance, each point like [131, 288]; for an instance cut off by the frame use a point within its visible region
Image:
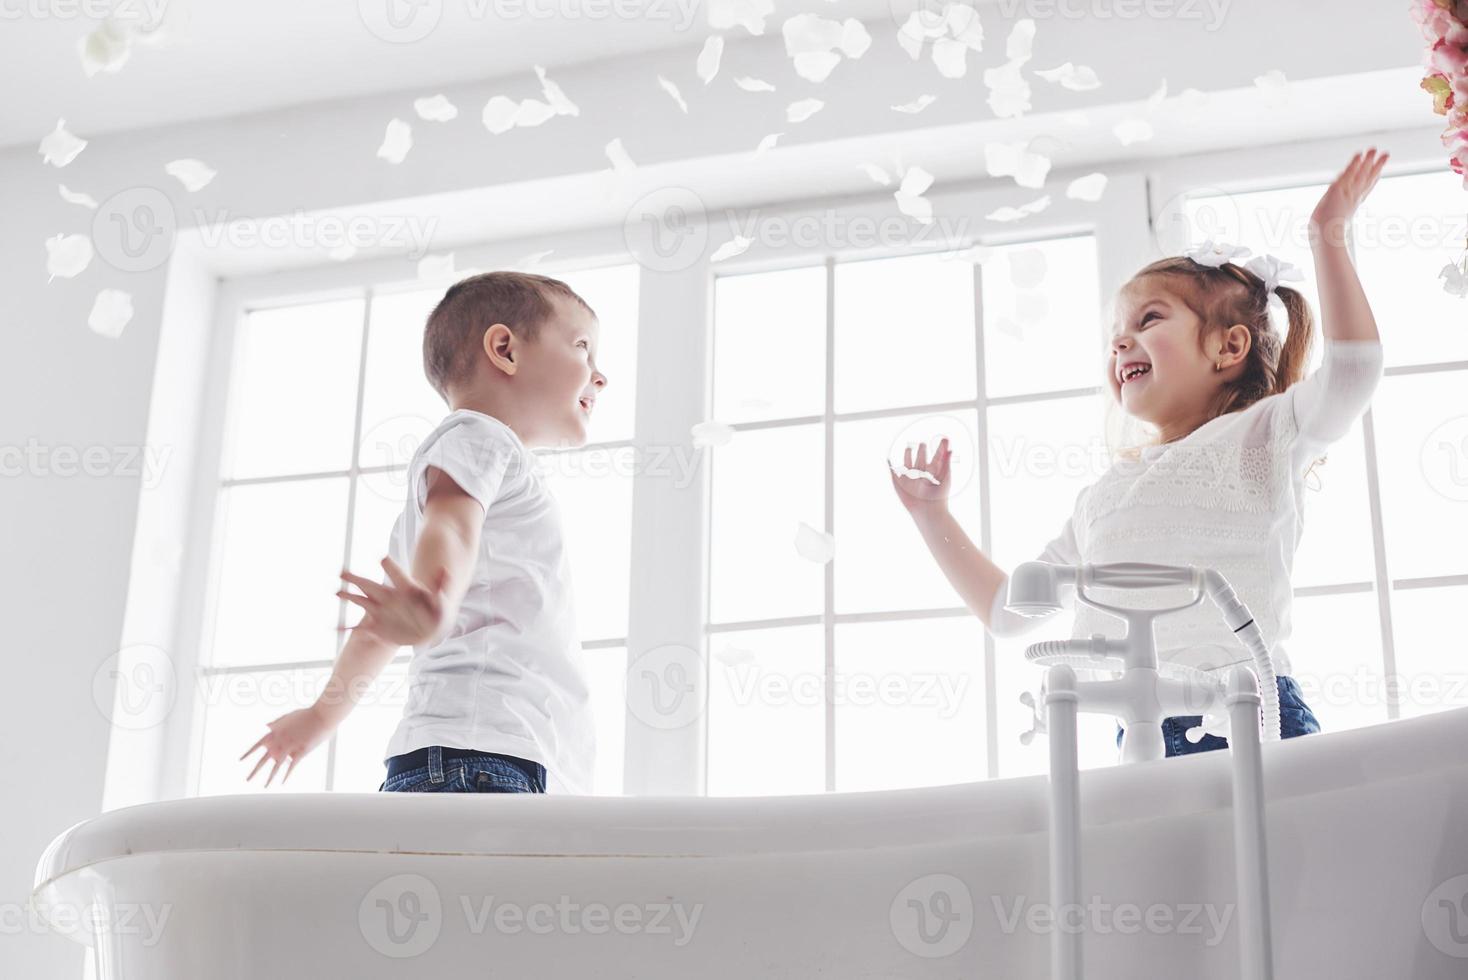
[560, 378]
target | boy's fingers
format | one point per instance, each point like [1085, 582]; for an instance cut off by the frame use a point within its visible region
[371, 588]
[399, 577]
[364, 601]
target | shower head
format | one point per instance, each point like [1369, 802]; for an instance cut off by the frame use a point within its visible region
[1034, 588]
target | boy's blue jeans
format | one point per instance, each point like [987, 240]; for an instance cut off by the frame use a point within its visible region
[1295, 718]
[437, 769]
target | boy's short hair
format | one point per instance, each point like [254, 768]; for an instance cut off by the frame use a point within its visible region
[454, 334]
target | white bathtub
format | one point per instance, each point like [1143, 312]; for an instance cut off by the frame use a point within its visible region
[1368, 838]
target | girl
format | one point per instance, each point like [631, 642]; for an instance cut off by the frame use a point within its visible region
[1193, 354]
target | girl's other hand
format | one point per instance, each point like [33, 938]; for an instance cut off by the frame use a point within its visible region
[923, 484]
[1332, 216]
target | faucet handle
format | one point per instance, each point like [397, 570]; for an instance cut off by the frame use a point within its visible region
[1213, 723]
[1037, 720]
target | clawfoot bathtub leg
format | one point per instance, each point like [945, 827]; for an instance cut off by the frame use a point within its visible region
[1065, 824]
[1251, 862]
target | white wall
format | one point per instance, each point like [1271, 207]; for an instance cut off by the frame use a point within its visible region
[67, 540]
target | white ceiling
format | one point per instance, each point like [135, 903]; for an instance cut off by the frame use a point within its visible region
[219, 58]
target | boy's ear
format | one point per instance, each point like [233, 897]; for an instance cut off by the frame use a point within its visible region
[499, 347]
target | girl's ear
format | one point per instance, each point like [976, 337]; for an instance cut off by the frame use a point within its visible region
[500, 348]
[1235, 344]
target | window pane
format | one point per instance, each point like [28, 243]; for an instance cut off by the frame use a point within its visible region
[1336, 547]
[294, 390]
[1422, 445]
[909, 704]
[904, 332]
[606, 671]
[399, 406]
[770, 345]
[594, 490]
[1095, 735]
[1273, 222]
[379, 503]
[1041, 455]
[236, 709]
[767, 728]
[279, 571]
[1042, 317]
[361, 741]
[1335, 655]
[613, 293]
[875, 534]
[765, 484]
[1407, 230]
[1431, 653]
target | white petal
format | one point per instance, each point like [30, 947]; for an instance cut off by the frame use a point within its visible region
[901, 470]
[112, 310]
[916, 181]
[855, 40]
[343, 252]
[753, 84]
[194, 174]
[734, 656]
[748, 14]
[909, 195]
[801, 111]
[436, 108]
[1008, 213]
[768, 142]
[616, 153]
[910, 35]
[916, 105]
[533, 112]
[1009, 93]
[1087, 188]
[1069, 76]
[877, 173]
[964, 25]
[1027, 268]
[816, 66]
[813, 545]
[737, 245]
[709, 58]
[951, 57]
[436, 267]
[1015, 160]
[67, 255]
[75, 197]
[1158, 97]
[672, 90]
[554, 96]
[534, 259]
[810, 33]
[396, 142]
[499, 114]
[712, 433]
[105, 49]
[61, 147]
[1272, 81]
[1131, 131]
[1021, 43]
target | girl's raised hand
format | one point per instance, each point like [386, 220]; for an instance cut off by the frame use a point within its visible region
[923, 483]
[1332, 216]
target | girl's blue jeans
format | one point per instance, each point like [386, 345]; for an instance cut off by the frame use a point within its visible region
[1295, 718]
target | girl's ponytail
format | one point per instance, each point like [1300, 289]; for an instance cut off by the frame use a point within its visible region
[1294, 352]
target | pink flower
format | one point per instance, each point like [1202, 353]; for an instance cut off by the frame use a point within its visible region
[1451, 58]
[1441, 25]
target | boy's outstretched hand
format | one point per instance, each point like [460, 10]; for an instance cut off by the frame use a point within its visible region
[291, 736]
[923, 484]
[404, 611]
[1332, 216]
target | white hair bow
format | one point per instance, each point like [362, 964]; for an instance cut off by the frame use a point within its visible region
[1273, 270]
[1215, 254]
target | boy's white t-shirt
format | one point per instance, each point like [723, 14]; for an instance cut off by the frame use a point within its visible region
[1230, 496]
[508, 676]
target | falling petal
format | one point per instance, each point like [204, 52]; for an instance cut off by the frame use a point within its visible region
[672, 90]
[711, 433]
[909, 195]
[813, 545]
[616, 153]
[901, 470]
[951, 57]
[855, 40]
[432, 268]
[1008, 213]
[916, 105]
[1027, 268]
[75, 197]
[435, 108]
[734, 656]
[1273, 82]
[1087, 188]
[753, 84]
[1158, 97]
[67, 256]
[1072, 77]
[554, 96]
[816, 66]
[61, 147]
[738, 245]
[1015, 160]
[1009, 93]
[768, 142]
[396, 143]
[342, 253]
[964, 26]
[748, 14]
[499, 114]
[105, 49]
[1455, 280]
[910, 35]
[195, 175]
[1021, 44]
[533, 112]
[803, 110]
[916, 181]
[111, 312]
[534, 259]
[1131, 131]
[877, 173]
[709, 58]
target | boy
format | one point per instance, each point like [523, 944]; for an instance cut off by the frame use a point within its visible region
[497, 700]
